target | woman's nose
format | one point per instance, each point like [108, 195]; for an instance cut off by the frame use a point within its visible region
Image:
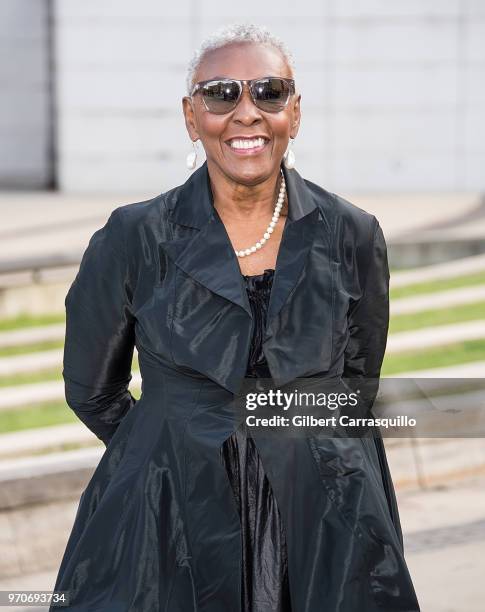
[246, 109]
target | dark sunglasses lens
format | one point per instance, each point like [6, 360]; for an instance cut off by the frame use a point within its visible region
[271, 95]
[220, 96]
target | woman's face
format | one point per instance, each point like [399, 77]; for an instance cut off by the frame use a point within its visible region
[243, 61]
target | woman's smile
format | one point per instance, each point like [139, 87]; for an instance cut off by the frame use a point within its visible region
[247, 146]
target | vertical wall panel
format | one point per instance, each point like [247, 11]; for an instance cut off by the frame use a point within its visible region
[25, 111]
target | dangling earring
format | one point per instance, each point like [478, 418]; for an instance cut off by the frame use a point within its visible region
[289, 156]
[192, 157]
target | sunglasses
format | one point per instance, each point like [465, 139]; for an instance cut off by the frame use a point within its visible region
[269, 94]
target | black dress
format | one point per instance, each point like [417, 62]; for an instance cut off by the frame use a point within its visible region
[264, 586]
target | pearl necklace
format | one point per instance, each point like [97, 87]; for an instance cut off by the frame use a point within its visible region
[271, 226]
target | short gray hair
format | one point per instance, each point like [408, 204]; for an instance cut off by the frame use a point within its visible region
[236, 33]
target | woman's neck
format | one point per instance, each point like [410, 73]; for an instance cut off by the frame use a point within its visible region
[244, 203]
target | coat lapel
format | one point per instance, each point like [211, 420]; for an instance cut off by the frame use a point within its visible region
[210, 260]
[208, 256]
[296, 241]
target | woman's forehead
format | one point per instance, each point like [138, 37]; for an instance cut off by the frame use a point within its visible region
[243, 61]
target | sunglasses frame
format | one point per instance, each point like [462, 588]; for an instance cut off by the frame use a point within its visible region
[241, 82]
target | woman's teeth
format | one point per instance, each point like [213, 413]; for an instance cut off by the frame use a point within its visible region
[247, 144]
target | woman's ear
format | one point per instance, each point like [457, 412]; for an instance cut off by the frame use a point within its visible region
[190, 120]
[296, 116]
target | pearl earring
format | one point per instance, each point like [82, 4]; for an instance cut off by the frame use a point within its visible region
[192, 157]
[289, 156]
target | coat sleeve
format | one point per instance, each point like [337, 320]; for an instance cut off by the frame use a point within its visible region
[99, 340]
[368, 323]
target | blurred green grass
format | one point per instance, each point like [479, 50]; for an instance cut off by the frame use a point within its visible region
[36, 415]
[24, 349]
[430, 318]
[436, 357]
[48, 375]
[26, 378]
[466, 280]
[22, 321]
[41, 414]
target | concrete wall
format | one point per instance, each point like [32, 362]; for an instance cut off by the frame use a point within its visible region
[392, 91]
[25, 114]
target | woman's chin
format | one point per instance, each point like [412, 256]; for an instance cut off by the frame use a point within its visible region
[250, 171]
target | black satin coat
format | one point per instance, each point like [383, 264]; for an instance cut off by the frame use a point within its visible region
[157, 527]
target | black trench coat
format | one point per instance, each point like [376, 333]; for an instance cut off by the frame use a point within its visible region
[157, 527]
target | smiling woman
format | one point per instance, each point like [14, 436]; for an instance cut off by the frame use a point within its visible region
[245, 271]
[243, 106]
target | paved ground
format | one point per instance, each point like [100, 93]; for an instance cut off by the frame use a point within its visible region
[445, 549]
[445, 543]
[41, 223]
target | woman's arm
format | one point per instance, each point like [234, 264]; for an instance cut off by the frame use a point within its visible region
[368, 321]
[100, 338]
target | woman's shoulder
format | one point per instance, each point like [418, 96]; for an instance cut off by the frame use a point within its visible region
[129, 243]
[149, 217]
[146, 213]
[144, 224]
[343, 215]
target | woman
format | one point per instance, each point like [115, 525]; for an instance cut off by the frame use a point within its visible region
[246, 270]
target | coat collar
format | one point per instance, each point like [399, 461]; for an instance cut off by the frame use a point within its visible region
[208, 256]
[195, 203]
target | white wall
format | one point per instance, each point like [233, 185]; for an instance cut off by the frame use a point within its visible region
[392, 91]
